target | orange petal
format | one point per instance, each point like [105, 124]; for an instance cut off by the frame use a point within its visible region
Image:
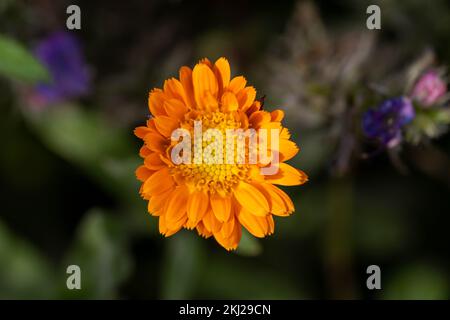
[272, 125]
[237, 84]
[206, 62]
[210, 102]
[197, 207]
[186, 81]
[271, 224]
[144, 151]
[143, 173]
[246, 97]
[175, 108]
[243, 118]
[151, 125]
[259, 118]
[140, 132]
[159, 182]
[230, 241]
[252, 199]
[211, 223]
[155, 142]
[229, 102]
[166, 125]
[168, 229]
[287, 176]
[277, 115]
[158, 202]
[277, 204]
[221, 207]
[284, 134]
[174, 89]
[154, 162]
[156, 102]
[288, 149]
[257, 226]
[162, 225]
[204, 81]
[176, 205]
[256, 106]
[287, 200]
[223, 72]
[228, 227]
[201, 229]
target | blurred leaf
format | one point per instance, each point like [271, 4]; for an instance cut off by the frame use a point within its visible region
[429, 122]
[316, 151]
[310, 211]
[84, 138]
[103, 151]
[25, 274]
[234, 277]
[5, 4]
[101, 253]
[318, 89]
[417, 281]
[181, 266]
[249, 245]
[381, 227]
[17, 63]
[381, 231]
[442, 116]
[78, 135]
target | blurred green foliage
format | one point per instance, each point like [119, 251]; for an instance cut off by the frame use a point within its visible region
[17, 63]
[417, 281]
[100, 250]
[25, 273]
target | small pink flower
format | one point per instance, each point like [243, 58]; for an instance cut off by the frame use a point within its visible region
[429, 88]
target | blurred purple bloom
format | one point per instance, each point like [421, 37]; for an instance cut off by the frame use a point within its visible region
[61, 54]
[385, 122]
[429, 88]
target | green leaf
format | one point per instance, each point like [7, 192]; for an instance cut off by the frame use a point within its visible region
[25, 273]
[420, 281]
[84, 138]
[226, 276]
[100, 250]
[442, 116]
[181, 265]
[249, 245]
[16, 63]
[78, 135]
[5, 4]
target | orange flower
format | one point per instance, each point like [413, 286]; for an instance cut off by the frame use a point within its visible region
[204, 191]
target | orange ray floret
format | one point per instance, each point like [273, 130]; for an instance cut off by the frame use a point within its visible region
[215, 198]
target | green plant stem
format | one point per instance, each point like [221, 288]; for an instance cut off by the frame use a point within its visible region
[338, 252]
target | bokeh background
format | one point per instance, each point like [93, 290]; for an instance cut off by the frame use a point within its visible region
[68, 189]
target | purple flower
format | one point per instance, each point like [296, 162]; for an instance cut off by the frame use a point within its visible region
[386, 121]
[429, 88]
[61, 54]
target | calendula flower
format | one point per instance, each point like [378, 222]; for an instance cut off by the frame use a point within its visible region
[385, 122]
[61, 53]
[203, 165]
[429, 89]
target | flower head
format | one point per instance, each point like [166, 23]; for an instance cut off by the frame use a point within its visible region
[429, 88]
[386, 121]
[61, 54]
[195, 176]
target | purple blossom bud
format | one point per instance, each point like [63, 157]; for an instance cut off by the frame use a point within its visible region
[429, 88]
[384, 123]
[61, 54]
